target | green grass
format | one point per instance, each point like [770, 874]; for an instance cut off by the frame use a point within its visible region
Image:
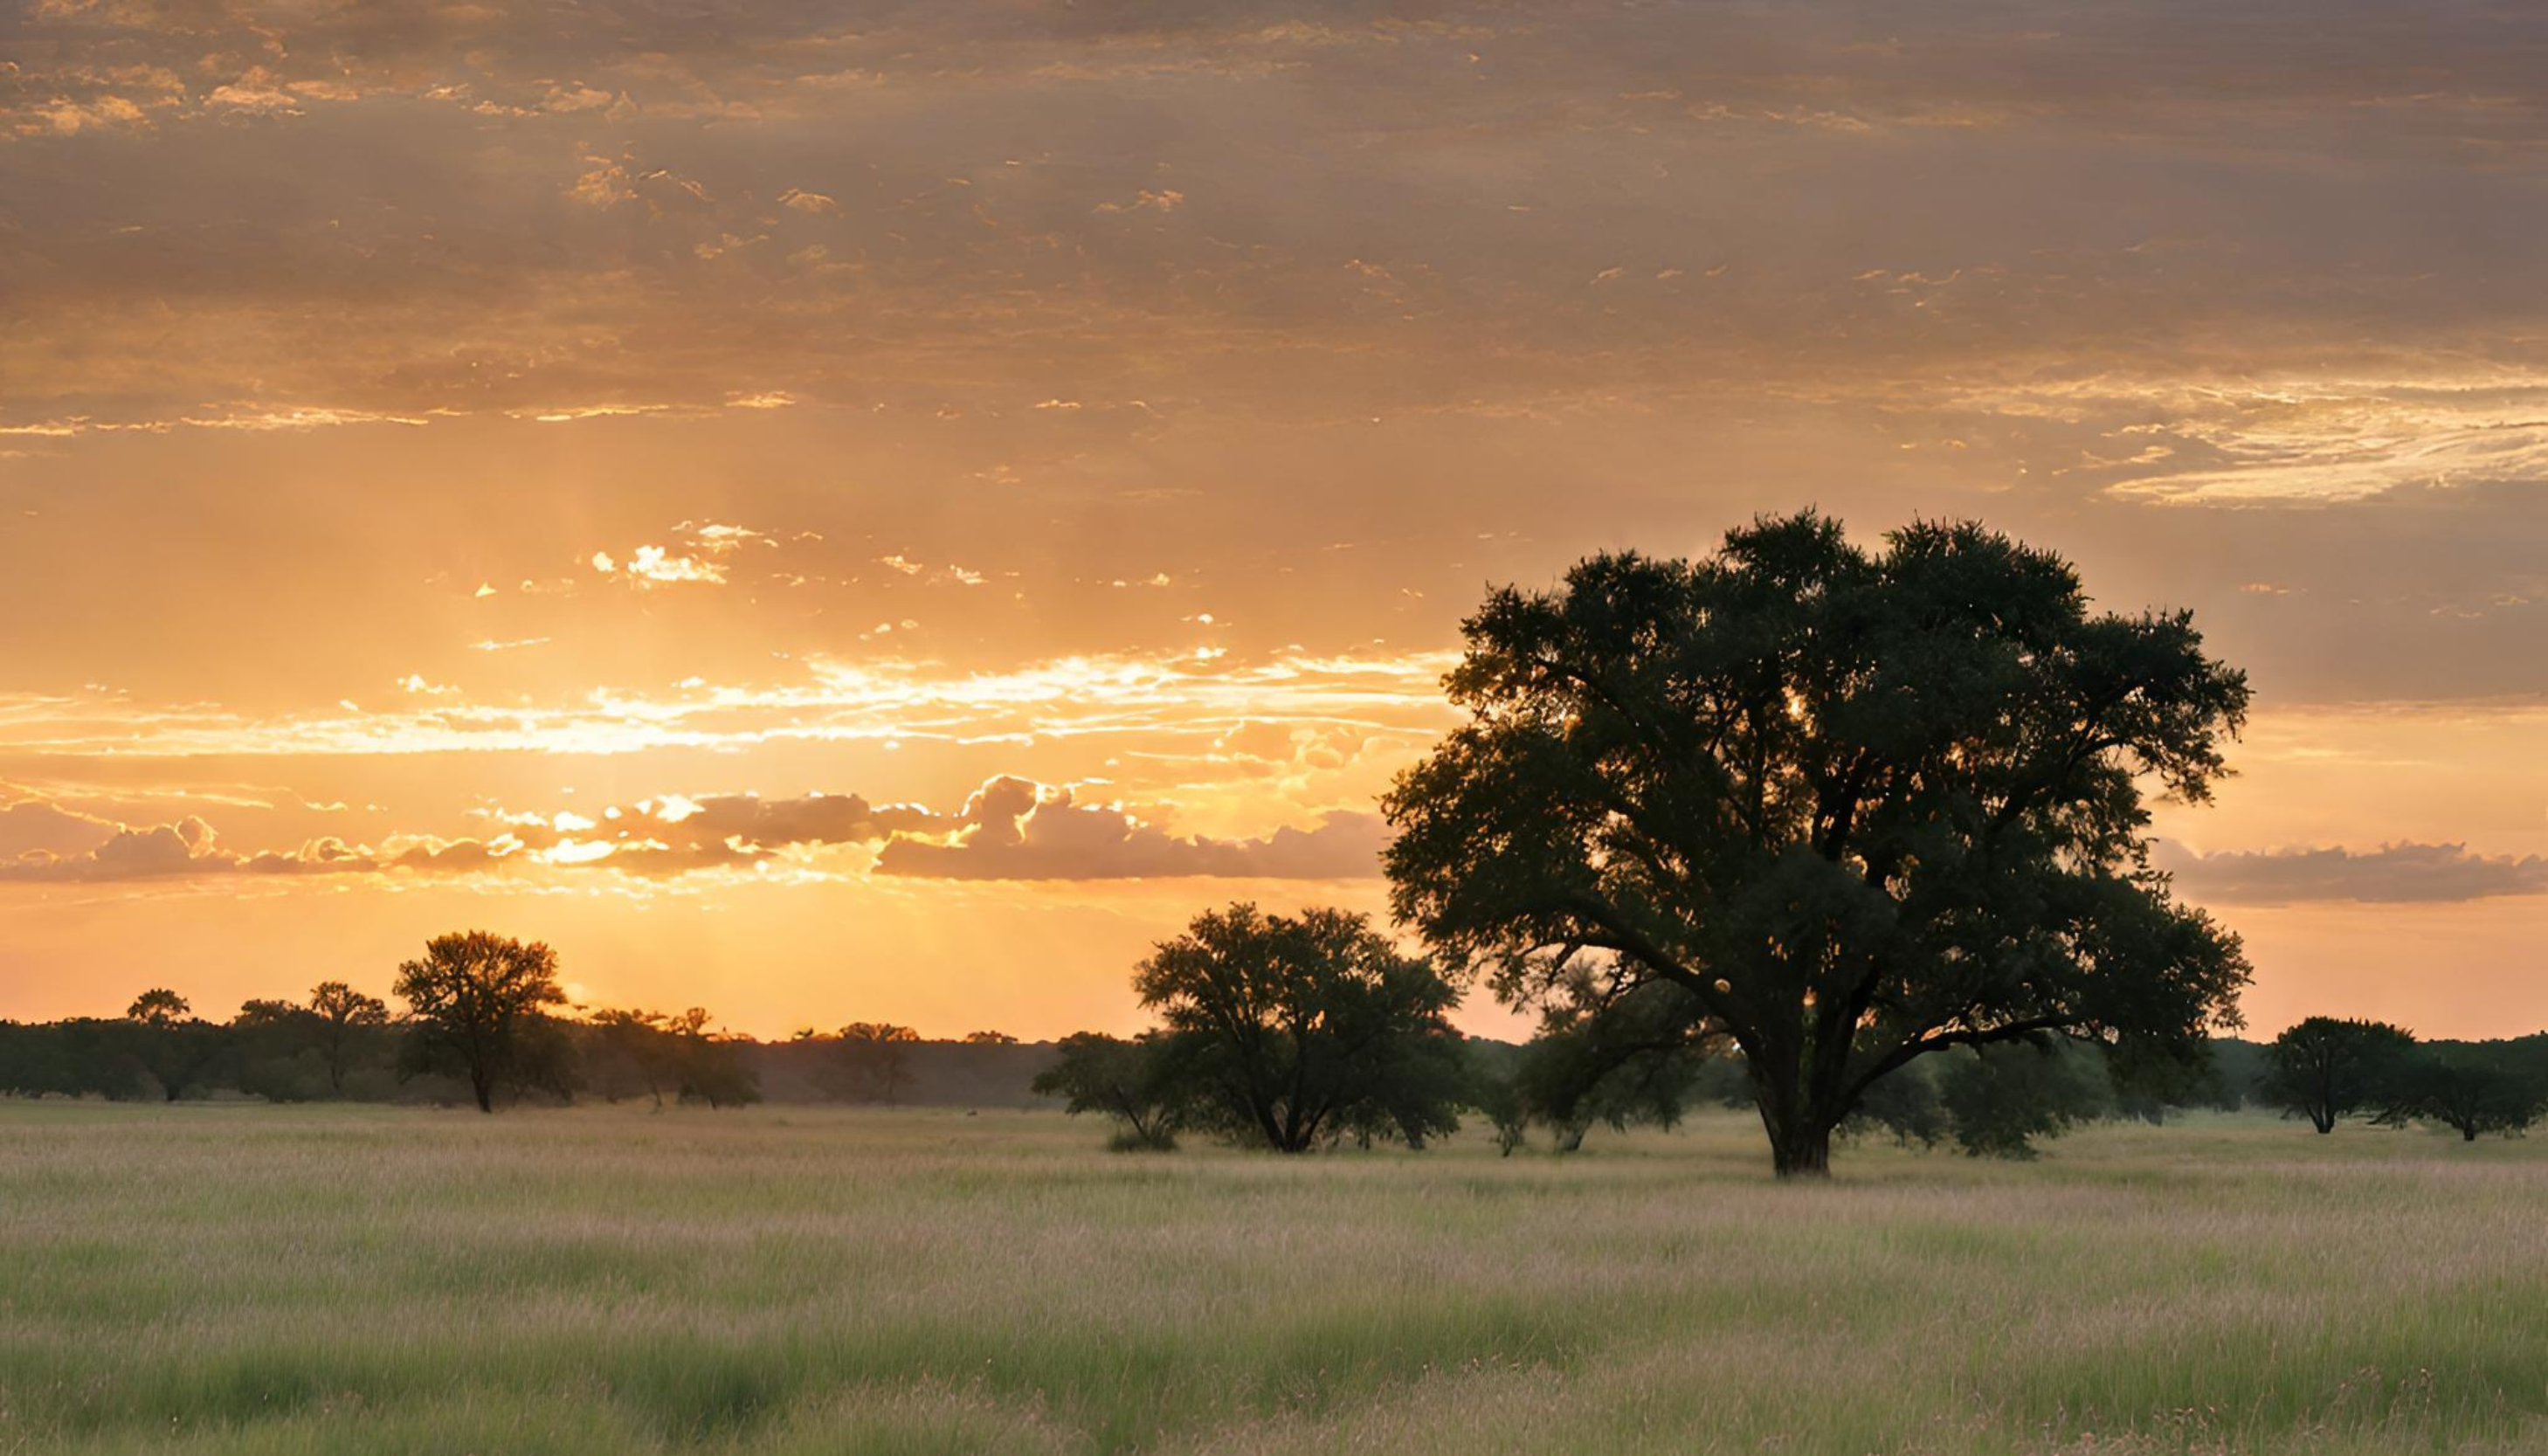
[239, 1279]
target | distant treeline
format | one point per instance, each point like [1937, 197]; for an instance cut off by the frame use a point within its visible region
[482, 1022]
[296, 1058]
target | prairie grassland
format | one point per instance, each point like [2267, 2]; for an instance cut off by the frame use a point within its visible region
[238, 1279]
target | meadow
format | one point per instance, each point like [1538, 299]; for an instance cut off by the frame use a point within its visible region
[232, 1278]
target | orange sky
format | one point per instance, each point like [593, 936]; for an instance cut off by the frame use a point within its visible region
[884, 516]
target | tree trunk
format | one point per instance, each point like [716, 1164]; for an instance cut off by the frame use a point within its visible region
[1802, 1150]
[484, 1086]
[1799, 1137]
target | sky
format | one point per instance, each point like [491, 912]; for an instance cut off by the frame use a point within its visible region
[884, 512]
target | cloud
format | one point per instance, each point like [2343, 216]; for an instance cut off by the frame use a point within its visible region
[654, 566]
[1014, 829]
[161, 850]
[40, 826]
[2400, 873]
[1010, 828]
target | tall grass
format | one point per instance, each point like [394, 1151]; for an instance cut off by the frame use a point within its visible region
[204, 1279]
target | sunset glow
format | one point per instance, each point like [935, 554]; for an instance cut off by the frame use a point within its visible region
[888, 520]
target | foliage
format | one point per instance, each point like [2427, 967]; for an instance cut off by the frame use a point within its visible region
[477, 1004]
[1497, 1096]
[1844, 808]
[709, 1067]
[2472, 1090]
[350, 1024]
[1290, 1031]
[1905, 1103]
[1130, 1083]
[1612, 1049]
[870, 1063]
[629, 1053]
[2327, 1069]
[169, 1043]
[1999, 1097]
[276, 1046]
[158, 1007]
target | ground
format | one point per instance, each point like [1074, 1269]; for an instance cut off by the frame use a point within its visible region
[244, 1279]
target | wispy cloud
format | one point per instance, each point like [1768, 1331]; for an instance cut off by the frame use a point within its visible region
[2391, 873]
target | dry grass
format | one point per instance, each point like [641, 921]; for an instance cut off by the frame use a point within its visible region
[262, 1280]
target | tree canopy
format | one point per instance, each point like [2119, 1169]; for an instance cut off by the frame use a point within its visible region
[1849, 807]
[1130, 1083]
[1288, 1029]
[2471, 1090]
[476, 1002]
[2327, 1069]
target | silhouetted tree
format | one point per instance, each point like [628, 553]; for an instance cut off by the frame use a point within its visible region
[711, 1067]
[2466, 1089]
[989, 1038]
[1612, 1049]
[1133, 1083]
[872, 1061]
[1497, 1096]
[1285, 1029]
[158, 1007]
[630, 1053]
[278, 1059]
[1846, 808]
[350, 1024]
[477, 1003]
[2327, 1069]
[175, 1047]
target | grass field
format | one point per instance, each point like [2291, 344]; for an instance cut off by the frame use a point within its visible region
[253, 1279]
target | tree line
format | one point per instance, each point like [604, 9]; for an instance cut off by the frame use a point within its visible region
[1292, 1034]
[481, 1019]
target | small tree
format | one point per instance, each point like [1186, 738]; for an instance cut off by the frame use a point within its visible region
[171, 1045]
[709, 1067]
[1286, 1029]
[2465, 1090]
[629, 1052]
[872, 1061]
[477, 1003]
[1610, 1050]
[158, 1007]
[2327, 1069]
[1497, 1094]
[1132, 1082]
[350, 1026]
[989, 1038]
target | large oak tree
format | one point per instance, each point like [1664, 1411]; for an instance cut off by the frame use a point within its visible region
[1850, 806]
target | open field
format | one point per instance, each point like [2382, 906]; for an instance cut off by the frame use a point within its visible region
[244, 1279]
